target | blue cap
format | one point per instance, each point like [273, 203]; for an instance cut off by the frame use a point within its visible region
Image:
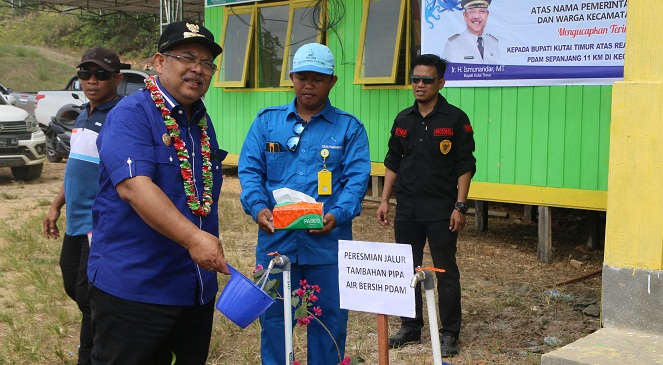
[313, 57]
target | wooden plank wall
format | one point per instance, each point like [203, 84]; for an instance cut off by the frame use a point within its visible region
[544, 136]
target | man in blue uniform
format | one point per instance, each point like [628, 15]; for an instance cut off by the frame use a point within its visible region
[473, 45]
[287, 147]
[99, 73]
[155, 243]
[429, 165]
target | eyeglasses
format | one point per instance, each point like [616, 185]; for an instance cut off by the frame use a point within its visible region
[208, 66]
[293, 141]
[426, 79]
[99, 74]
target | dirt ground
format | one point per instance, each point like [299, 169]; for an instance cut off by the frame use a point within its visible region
[507, 316]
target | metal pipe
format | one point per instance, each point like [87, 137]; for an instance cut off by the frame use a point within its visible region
[418, 276]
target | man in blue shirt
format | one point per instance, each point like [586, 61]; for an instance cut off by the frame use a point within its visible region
[99, 73]
[155, 243]
[286, 147]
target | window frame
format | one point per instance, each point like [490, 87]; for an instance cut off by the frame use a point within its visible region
[236, 10]
[285, 69]
[392, 78]
[251, 62]
[256, 64]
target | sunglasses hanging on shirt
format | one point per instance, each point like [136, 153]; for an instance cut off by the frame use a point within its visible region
[293, 141]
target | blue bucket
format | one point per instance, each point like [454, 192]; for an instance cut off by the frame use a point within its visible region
[241, 300]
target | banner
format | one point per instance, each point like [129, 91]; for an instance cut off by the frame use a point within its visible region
[527, 42]
[375, 277]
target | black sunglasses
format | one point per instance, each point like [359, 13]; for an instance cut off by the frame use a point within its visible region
[293, 141]
[99, 74]
[426, 79]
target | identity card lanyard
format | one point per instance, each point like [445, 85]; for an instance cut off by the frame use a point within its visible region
[324, 175]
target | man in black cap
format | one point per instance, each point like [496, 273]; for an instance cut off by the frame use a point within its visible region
[99, 73]
[155, 245]
[473, 45]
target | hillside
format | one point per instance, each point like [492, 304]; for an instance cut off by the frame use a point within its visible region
[31, 68]
[40, 50]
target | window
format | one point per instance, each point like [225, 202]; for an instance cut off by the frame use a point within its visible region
[131, 83]
[303, 30]
[260, 41]
[237, 36]
[385, 50]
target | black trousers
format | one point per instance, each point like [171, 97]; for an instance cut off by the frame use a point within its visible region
[73, 263]
[442, 245]
[132, 333]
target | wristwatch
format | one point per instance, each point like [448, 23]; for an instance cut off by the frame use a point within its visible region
[462, 207]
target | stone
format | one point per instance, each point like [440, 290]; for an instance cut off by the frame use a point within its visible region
[592, 311]
[577, 264]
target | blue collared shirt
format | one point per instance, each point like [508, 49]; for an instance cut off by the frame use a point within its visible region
[261, 172]
[129, 259]
[81, 176]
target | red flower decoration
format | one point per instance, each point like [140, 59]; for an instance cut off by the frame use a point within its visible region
[183, 155]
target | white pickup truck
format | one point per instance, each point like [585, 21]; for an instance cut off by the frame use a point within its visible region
[66, 103]
[22, 143]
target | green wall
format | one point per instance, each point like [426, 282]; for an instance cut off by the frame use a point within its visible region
[550, 136]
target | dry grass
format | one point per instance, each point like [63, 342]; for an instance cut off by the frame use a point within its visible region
[504, 308]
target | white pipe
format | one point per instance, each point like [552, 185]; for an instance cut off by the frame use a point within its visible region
[284, 262]
[432, 322]
[287, 317]
[429, 285]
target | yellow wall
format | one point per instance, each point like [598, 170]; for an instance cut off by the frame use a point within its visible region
[634, 226]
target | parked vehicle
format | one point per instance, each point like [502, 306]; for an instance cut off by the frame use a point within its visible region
[7, 94]
[22, 143]
[19, 99]
[11, 99]
[25, 101]
[58, 132]
[62, 103]
[58, 138]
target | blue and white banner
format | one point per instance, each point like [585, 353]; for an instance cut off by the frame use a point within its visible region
[527, 42]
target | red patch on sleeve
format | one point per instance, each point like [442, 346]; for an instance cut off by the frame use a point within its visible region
[400, 132]
[443, 132]
[468, 128]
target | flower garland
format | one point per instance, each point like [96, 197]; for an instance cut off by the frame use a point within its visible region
[183, 155]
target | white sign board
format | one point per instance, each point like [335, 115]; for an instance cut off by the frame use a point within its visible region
[375, 277]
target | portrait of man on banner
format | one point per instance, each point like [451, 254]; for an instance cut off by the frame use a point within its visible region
[473, 45]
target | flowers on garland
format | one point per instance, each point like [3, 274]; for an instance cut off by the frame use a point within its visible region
[198, 208]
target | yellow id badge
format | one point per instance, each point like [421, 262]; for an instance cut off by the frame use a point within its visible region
[324, 182]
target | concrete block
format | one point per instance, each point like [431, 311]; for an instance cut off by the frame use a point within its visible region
[609, 346]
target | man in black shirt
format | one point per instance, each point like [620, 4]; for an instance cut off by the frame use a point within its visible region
[429, 165]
